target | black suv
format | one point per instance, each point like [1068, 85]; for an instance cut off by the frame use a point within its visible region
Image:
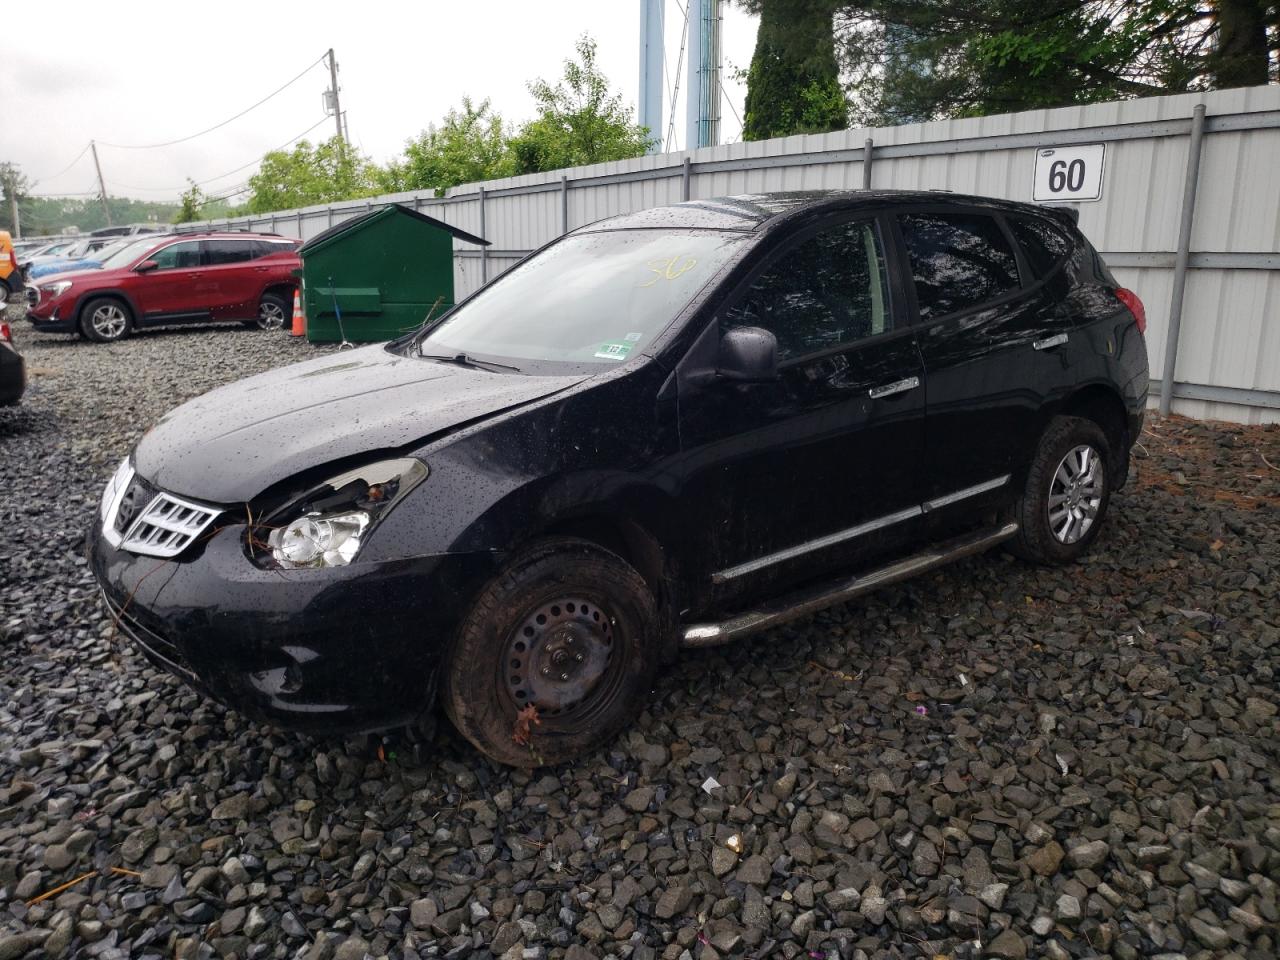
[670, 428]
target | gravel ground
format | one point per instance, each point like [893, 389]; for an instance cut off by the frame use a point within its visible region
[991, 761]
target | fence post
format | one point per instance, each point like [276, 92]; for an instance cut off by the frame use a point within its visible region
[1180, 264]
[564, 205]
[329, 211]
[866, 163]
[685, 177]
[299, 224]
[484, 249]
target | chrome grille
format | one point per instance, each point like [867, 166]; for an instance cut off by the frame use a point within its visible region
[138, 494]
[167, 526]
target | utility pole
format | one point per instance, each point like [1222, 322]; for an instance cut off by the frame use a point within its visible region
[702, 116]
[102, 187]
[651, 50]
[333, 90]
[10, 175]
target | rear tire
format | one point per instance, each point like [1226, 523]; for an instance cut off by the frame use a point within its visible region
[568, 628]
[273, 312]
[1068, 489]
[106, 320]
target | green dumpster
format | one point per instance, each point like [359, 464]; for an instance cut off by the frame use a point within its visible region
[378, 275]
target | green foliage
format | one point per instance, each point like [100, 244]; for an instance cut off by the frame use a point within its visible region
[793, 84]
[306, 175]
[470, 145]
[909, 60]
[193, 200]
[579, 120]
[44, 216]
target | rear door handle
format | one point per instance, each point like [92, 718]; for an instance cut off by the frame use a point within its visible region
[889, 389]
[1050, 342]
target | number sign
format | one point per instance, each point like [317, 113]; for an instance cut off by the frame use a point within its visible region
[1068, 173]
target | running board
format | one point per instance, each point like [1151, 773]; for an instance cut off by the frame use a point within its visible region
[805, 602]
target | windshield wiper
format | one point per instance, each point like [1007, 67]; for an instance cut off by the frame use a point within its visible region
[462, 360]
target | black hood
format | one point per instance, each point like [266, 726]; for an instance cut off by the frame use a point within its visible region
[232, 443]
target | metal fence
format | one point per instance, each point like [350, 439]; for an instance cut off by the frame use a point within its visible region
[1189, 214]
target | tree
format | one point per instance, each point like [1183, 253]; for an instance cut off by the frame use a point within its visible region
[193, 199]
[793, 84]
[927, 59]
[307, 175]
[470, 145]
[580, 120]
[14, 187]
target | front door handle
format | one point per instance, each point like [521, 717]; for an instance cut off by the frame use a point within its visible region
[889, 389]
[1049, 342]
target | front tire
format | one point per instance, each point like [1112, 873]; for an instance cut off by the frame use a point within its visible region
[1067, 493]
[273, 310]
[106, 320]
[568, 629]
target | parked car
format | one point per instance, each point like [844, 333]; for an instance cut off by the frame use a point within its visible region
[129, 230]
[13, 372]
[667, 429]
[84, 255]
[32, 252]
[10, 275]
[192, 278]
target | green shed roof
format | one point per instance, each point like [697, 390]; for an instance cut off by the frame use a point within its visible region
[380, 213]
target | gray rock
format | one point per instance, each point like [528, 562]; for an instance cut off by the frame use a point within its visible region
[1088, 856]
[1008, 946]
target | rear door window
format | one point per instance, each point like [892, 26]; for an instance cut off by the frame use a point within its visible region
[826, 291]
[958, 261]
[221, 252]
[1043, 244]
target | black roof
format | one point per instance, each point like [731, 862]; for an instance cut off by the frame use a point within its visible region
[751, 211]
[381, 211]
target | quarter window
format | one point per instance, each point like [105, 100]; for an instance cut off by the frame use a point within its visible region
[829, 290]
[178, 255]
[1043, 244]
[958, 261]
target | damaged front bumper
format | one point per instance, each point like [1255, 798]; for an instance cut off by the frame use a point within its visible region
[339, 650]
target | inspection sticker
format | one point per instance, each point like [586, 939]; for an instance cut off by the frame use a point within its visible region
[614, 351]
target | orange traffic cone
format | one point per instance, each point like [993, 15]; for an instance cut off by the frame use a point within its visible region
[299, 318]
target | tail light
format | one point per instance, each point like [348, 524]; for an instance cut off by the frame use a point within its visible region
[6, 336]
[1134, 304]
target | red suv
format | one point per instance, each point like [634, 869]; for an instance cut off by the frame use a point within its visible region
[174, 279]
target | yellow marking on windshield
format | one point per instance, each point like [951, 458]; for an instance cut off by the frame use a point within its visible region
[669, 268]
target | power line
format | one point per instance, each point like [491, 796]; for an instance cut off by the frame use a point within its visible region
[170, 143]
[201, 183]
[67, 167]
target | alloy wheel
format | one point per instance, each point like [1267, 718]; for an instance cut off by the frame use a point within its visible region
[1075, 493]
[108, 321]
[270, 315]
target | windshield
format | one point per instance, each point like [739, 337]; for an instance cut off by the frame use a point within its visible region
[594, 298]
[123, 253]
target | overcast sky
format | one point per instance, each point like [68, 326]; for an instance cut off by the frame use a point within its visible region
[150, 72]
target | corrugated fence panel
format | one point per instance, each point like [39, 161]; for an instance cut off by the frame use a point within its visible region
[1229, 354]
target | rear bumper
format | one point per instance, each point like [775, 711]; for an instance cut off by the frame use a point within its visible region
[343, 650]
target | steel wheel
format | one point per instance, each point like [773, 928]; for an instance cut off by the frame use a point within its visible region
[1075, 493]
[109, 321]
[270, 314]
[559, 657]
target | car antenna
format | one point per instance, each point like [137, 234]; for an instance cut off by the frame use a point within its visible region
[345, 344]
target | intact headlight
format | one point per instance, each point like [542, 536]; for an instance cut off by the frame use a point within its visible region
[327, 525]
[55, 289]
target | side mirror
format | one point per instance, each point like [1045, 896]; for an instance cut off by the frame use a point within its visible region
[748, 355]
[146, 266]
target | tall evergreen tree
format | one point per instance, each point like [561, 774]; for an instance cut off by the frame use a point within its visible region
[793, 83]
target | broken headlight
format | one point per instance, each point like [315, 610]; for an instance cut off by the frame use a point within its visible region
[327, 525]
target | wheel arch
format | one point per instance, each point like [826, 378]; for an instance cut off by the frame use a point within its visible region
[282, 288]
[89, 296]
[1103, 405]
[640, 548]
